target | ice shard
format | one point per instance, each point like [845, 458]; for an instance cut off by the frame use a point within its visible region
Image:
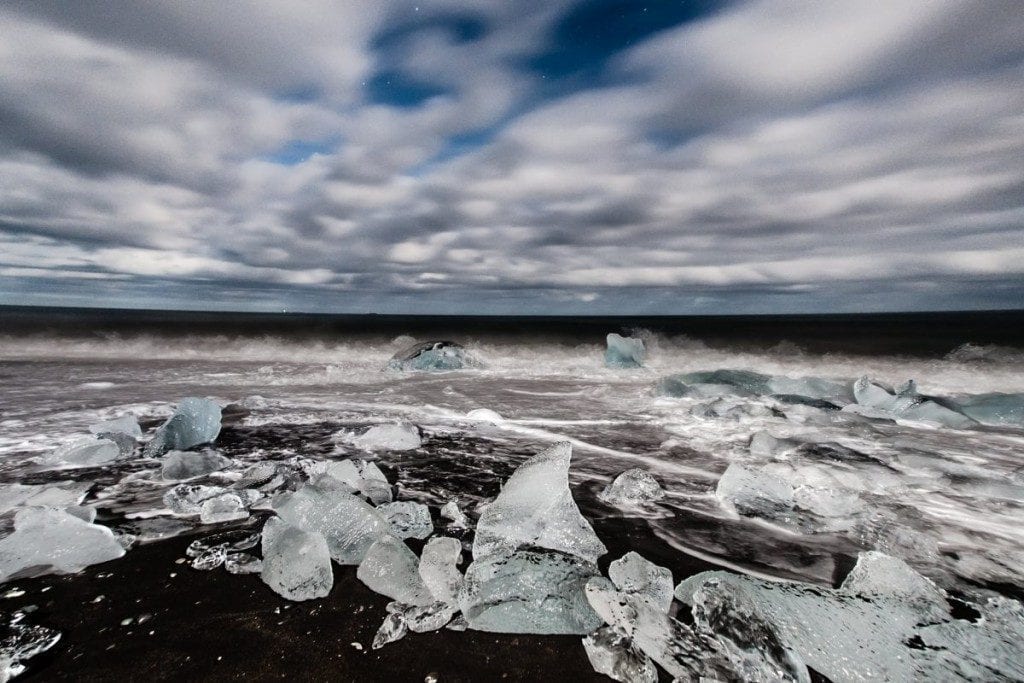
[348, 523]
[450, 510]
[187, 499]
[296, 563]
[178, 465]
[634, 574]
[408, 519]
[432, 355]
[632, 487]
[392, 569]
[195, 421]
[613, 654]
[396, 436]
[126, 424]
[47, 540]
[536, 508]
[87, 451]
[438, 568]
[624, 352]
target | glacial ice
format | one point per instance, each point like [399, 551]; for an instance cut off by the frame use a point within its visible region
[394, 628]
[450, 510]
[242, 563]
[632, 487]
[226, 507]
[179, 465]
[426, 618]
[187, 499]
[485, 415]
[744, 383]
[392, 569]
[126, 424]
[535, 508]
[639, 577]
[408, 519]
[87, 451]
[754, 490]
[907, 404]
[195, 421]
[296, 563]
[438, 568]
[624, 352]
[994, 408]
[613, 654]
[529, 591]
[432, 355]
[41, 495]
[22, 642]
[395, 436]
[56, 540]
[348, 523]
[358, 476]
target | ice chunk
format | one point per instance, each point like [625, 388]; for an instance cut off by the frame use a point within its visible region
[407, 519]
[624, 352]
[296, 563]
[426, 618]
[178, 465]
[242, 563]
[484, 415]
[358, 475]
[87, 451]
[187, 499]
[613, 654]
[55, 540]
[994, 409]
[536, 508]
[764, 445]
[396, 436]
[58, 496]
[715, 383]
[394, 628]
[125, 443]
[438, 568]
[450, 510]
[126, 424]
[879, 574]
[632, 487]
[391, 569]
[873, 394]
[754, 490]
[641, 578]
[432, 355]
[226, 507]
[22, 642]
[195, 421]
[880, 401]
[529, 591]
[348, 523]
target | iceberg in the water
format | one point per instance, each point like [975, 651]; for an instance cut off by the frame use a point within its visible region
[438, 568]
[55, 541]
[814, 391]
[432, 355]
[392, 569]
[87, 451]
[396, 436]
[632, 487]
[905, 404]
[348, 523]
[408, 519]
[529, 591]
[195, 421]
[126, 424]
[624, 352]
[535, 508]
[178, 465]
[994, 409]
[296, 563]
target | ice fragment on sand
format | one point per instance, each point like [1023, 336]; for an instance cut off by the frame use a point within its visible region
[408, 519]
[426, 618]
[20, 642]
[529, 591]
[126, 424]
[438, 568]
[243, 563]
[296, 563]
[642, 579]
[450, 510]
[87, 451]
[195, 421]
[754, 490]
[432, 355]
[632, 487]
[397, 436]
[223, 508]
[613, 654]
[210, 558]
[53, 539]
[536, 508]
[394, 628]
[624, 352]
[178, 465]
[348, 523]
[391, 568]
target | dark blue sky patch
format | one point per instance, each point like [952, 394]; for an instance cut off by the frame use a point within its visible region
[462, 27]
[397, 90]
[296, 151]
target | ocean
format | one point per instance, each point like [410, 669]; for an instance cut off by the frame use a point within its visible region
[947, 500]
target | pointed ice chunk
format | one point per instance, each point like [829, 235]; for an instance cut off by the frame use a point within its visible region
[638, 576]
[438, 568]
[612, 654]
[178, 465]
[408, 519]
[397, 436]
[87, 451]
[390, 569]
[195, 421]
[879, 574]
[346, 521]
[296, 563]
[624, 352]
[126, 424]
[536, 508]
[632, 487]
[529, 591]
[55, 540]
[394, 628]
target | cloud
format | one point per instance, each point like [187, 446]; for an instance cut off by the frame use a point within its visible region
[750, 156]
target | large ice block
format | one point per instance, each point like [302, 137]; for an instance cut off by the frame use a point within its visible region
[636, 575]
[624, 352]
[392, 569]
[195, 421]
[296, 563]
[438, 568]
[432, 355]
[48, 540]
[536, 508]
[613, 654]
[87, 451]
[754, 490]
[348, 523]
[408, 519]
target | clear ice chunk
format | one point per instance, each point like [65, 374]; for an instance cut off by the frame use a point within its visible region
[179, 465]
[296, 563]
[439, 568]
[395, 436]
[348, 523]
[242, 563]
[994, 408]
[126, 424]
[754, 490]
[42, 495]
[427, 618]
[632, 487]
[529, 591]
[536, 508]
[394, 628]
[408, 519]
[432, 355]
[613, 654]
[195, 421]
[624, 352]
[358, 475]
[391, 568]
[22, 642]
[53, 540]
[880, 401]
[634, 574]
[87, 451]
[187, 499]
[450, 510]
[226, 507]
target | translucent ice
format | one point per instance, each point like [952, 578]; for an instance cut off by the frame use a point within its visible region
[624, 352]
[126, 424]
[396, 436]
[49, 495]
[641, 578]
[348, 523]
[226, 507]
[995, 409]
[754, 490]
[613, 654]
[178, 465]
[53, 539]
[432, 355]
[195, 421]
[718, 383]
[450, 510]
[438, 568]
[391, 569]
[22, 642]
[632, 487]
[296, 563]
[88, 451]
[536, 508]
[394, 628]
[408, 519]
[529, 591]
[242, 563]
[359, 476]
[907, 404]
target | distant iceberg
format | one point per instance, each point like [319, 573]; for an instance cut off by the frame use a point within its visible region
[432, 356]
[624, 352]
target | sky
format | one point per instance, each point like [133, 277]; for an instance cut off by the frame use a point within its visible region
[513, 156]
